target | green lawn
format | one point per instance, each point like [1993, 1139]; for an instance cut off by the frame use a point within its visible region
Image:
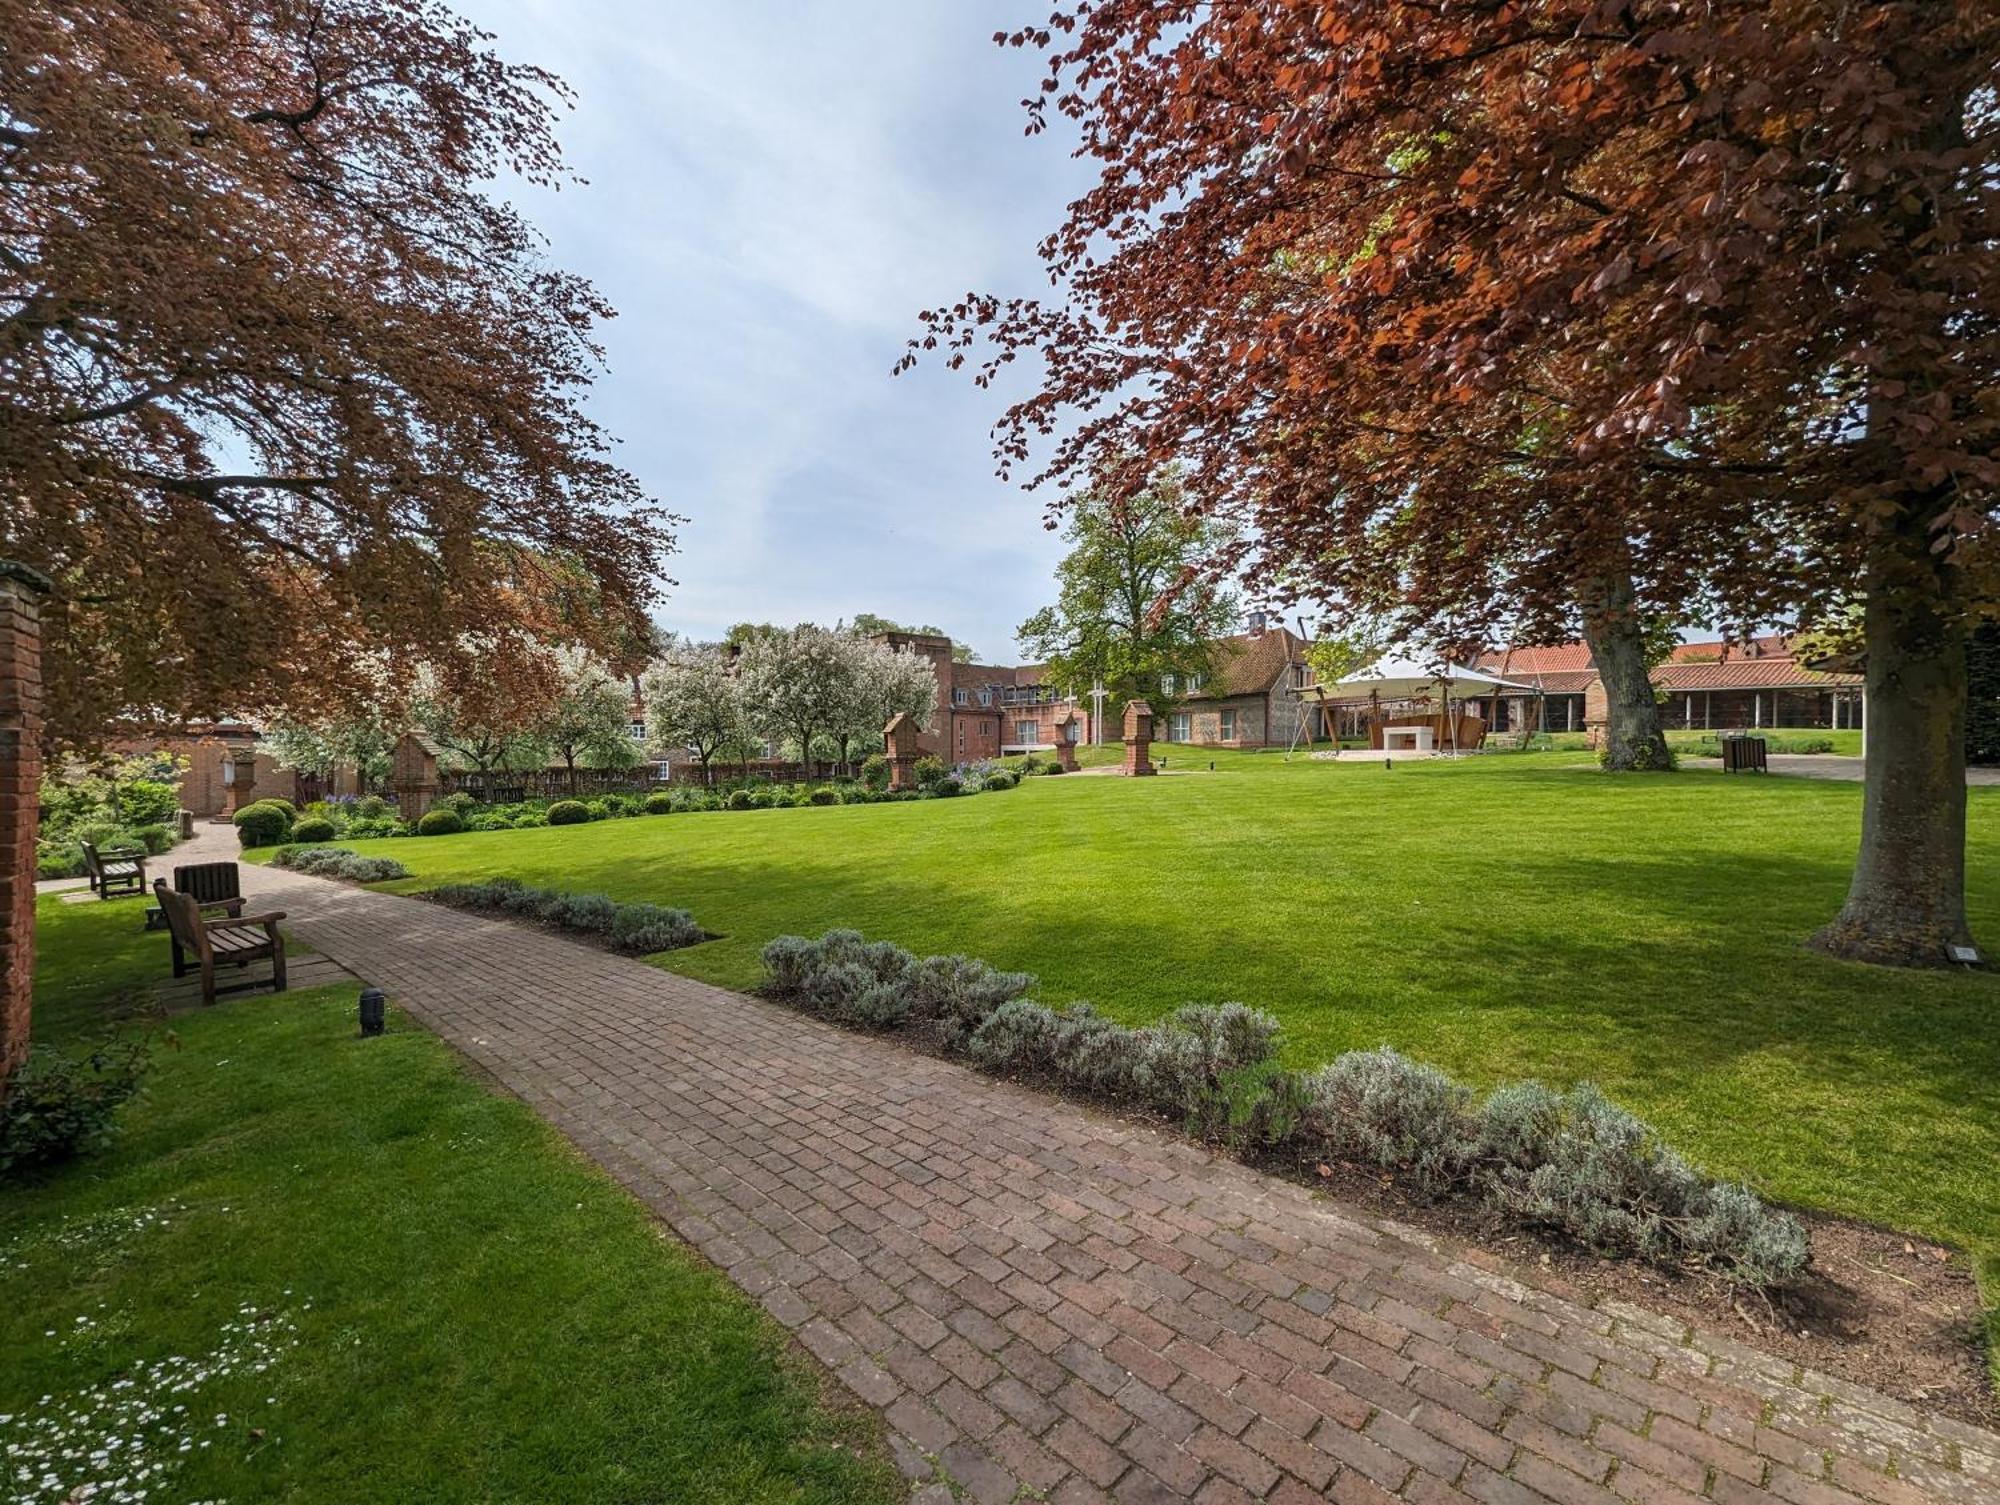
[447, 1303]
[1520, 915]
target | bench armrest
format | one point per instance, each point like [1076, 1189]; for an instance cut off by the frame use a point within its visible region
[266, 920]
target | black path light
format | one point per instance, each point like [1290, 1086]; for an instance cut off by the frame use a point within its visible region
[373, 1007]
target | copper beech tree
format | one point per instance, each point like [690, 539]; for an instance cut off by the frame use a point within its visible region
[289, 401]
[1531, 317]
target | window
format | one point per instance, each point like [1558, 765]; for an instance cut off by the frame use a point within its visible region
[1026, 731]
[1178, 727]
[1301, 676]
[1195, 682]
[1228, 726]
[1166, 684]
[958, 697]
[961, 739]
[986, 695]
[637, 731]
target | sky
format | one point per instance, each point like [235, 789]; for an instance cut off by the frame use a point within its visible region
[774, 192]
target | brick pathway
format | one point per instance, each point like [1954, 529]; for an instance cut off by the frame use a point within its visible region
[1047, 1304]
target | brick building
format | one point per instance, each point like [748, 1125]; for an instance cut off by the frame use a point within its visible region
[1249, 698]
[984, 710]
[1712, 685]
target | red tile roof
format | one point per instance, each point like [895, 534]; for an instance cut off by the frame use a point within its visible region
[1251, 663]
[1750, 674]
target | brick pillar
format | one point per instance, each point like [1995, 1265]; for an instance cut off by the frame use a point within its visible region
[241, 790]
[900, 738]
[1066, 743]
[1138, 739]
[21, 592]
[413, 771]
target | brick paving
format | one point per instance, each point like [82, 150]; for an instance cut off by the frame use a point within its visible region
[1048, 1304]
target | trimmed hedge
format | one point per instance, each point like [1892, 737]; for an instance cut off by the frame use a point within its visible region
[263, 823]
[635, 929]
[1573, 1163]
[314, 828]
[443, 821]
[568, 813]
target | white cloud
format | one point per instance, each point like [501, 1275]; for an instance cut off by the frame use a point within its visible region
[775, 190]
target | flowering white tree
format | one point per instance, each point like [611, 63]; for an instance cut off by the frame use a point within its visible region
[323, 748]
[798, 683]
[694, 703]
[590, 718]
[883, 681]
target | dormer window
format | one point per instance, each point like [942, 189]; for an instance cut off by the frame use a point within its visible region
[1195, 682]
[1167, 683]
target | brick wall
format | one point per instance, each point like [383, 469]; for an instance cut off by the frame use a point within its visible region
[21, 592]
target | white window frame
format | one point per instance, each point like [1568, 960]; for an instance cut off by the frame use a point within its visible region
[1226, 725]
[1180, 727]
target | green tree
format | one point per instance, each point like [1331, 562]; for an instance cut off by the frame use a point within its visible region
[868, 624]
[1134, 606]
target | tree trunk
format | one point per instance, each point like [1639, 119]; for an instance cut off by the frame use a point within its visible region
[1633, 740]
[1906, 903]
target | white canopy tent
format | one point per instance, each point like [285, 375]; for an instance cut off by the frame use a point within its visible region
[1395, 677]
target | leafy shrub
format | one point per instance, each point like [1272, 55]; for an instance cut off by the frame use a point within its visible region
[1575, 1163]
[486, 820]
[1001, 779]
[591, 913]
[568, 813]
[641, 928]
[660, 804]
[59, 1106]
[440, 822]
[531, 819]
[824, 796]
[632, 928]
[371, 807]
[1052, 769]
[959, 993]
[740, 799]
[263, 823]
[58, 861]
[875, 771]
[364, 827]
[1189, 1063]
[1384, 1109]
[1579, 1163]
[928, 770]
[460, 801]
[1030, 765]
[945, 788]
[339, 862]
[291, 810]
[155, 839]
[314, 828]
[148, 802]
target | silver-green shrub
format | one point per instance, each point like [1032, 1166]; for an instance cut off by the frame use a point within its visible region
[590, 913]
[638, 929]
[339, 862]
[1184, 1060]
[1579, 1163]
[1382, 1108]
[960, 993]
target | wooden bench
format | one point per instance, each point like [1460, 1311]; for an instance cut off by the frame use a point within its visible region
[1744, 755]
[117, 870]
[234, 937]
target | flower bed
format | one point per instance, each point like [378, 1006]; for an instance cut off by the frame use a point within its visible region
[633, 929]
[338, 862]
[1572, 1163]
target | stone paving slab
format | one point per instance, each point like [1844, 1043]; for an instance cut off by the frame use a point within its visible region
[1049, 1304]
